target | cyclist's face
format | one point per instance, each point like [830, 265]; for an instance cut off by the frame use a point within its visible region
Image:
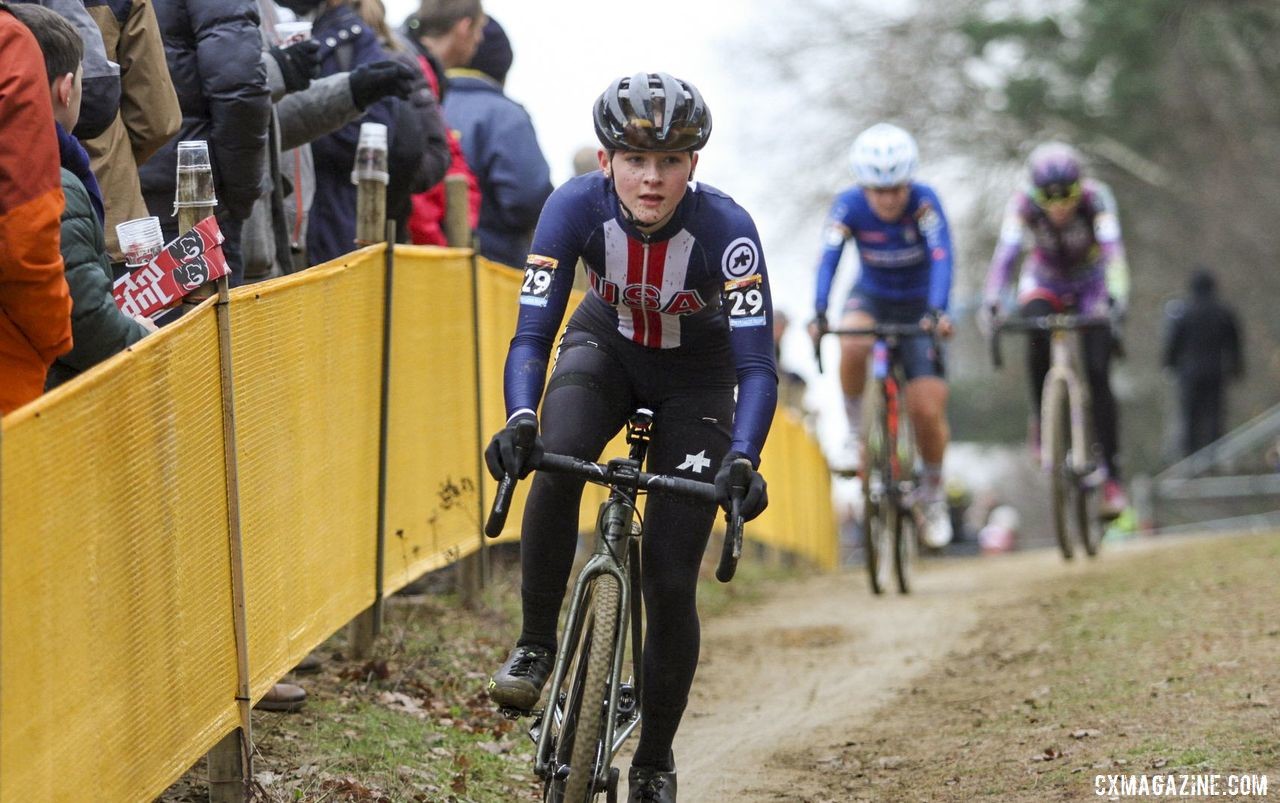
[1060, 211]
[649, 183]
[888, 203]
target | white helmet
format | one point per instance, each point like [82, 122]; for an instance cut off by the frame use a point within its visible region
[884, 156]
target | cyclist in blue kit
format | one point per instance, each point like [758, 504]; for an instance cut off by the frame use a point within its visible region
[678, 315]
[904, 250]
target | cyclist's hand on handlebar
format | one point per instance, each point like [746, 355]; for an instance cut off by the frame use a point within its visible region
[939, 321]
[506, 454]
[755, 496]
[817, 328]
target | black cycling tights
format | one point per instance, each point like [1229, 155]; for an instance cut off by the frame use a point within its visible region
[591, 394]
[1096, 355]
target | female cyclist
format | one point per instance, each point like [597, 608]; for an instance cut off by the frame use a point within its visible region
[1077, 264]
[678, 315]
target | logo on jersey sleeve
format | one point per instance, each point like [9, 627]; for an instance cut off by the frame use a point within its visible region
[740, 259]
[929, 220]
[536, 287]
[835, 234]
[744, 301]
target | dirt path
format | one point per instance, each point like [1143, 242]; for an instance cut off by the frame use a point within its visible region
[792, 674]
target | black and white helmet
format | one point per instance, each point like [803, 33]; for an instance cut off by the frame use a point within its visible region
[652, 112]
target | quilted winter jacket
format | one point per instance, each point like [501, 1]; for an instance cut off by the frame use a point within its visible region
[98, 327]
[213, 49]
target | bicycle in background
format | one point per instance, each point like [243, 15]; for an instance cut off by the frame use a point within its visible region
[890, 523]
[591, 709]
[1069, 451]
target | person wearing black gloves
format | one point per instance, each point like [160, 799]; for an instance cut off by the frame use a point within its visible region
[418, 151]
[306, 107]
[298, 63]
[679, 316]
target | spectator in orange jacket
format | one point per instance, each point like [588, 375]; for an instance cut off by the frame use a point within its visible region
[35, 305]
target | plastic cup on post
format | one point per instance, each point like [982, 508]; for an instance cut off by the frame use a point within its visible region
[141, 241]
[195, 175]
[291, 33]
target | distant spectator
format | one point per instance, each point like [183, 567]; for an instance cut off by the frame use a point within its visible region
[1202, 347]
[585, 160]
[100, 86]
[420, 154]
[501, 148]
[149, 112]
[347, 42]
[791, 386]
[35, 305]
[214, 50]
[445, 34]
[98, 327]
[303, 110]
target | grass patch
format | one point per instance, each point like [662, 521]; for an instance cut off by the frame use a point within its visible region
[1154, 663]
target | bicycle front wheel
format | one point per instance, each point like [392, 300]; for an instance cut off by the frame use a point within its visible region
[905, 545]
[592, 699]
[1056, 425]
[879, 510]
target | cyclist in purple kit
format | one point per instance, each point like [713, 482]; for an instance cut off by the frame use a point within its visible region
[678, 316]
[1077, 264]
[904, 250]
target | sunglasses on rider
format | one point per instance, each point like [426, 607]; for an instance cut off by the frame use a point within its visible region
[1057, 194]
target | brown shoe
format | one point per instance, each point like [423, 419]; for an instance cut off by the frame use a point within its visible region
[283, 697]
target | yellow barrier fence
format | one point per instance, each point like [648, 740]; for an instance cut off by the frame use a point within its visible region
[118, 658]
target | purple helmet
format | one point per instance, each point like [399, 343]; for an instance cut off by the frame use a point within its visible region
[1055, 169]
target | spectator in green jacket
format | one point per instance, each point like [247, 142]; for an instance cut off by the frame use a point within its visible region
[98, 327]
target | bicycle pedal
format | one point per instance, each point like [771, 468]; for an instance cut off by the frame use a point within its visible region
[516, 713]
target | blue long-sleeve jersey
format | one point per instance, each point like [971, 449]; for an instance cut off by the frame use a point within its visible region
[697, 281]
[905, 260]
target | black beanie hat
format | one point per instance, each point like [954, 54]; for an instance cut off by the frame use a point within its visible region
[493, 56]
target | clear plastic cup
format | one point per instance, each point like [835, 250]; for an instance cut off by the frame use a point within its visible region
[291, 33]
[371, 154]
[141, 241]
[195, 174]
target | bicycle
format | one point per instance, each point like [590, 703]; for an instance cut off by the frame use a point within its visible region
[591, 711]
[1066, 420]
[889, 473]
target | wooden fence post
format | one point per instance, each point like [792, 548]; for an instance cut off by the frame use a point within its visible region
[370, 175]
[230, 760]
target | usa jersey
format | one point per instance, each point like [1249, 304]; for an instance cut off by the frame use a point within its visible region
[698, 281]
[908, 259]
[1087, 249]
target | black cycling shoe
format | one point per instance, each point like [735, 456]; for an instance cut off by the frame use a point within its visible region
[518, 684]
[649, 785]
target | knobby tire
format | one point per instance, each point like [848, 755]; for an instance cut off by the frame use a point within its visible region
[598, 655]
[1056, 424]
[879, 515]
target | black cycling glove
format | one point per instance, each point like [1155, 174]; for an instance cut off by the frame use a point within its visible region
[756, 498]
[299, 63]
[516, 449]
[376, 80]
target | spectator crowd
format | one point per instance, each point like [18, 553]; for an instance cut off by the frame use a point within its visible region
[95, 96]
